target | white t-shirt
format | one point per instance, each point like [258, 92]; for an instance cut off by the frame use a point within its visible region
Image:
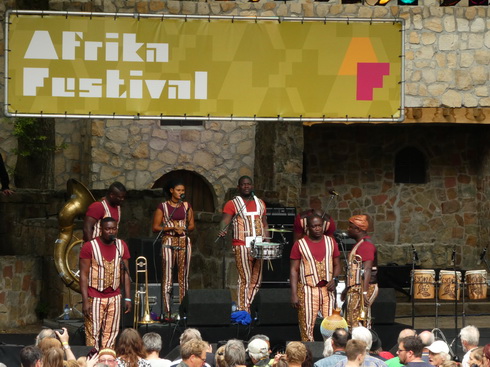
[159, 362]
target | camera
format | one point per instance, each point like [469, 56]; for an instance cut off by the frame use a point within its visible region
[61, 331]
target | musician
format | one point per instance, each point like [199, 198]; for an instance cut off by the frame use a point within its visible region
[315, 264]
[102, 264]
[301, 229]
[247, 214]
[176, 219]
[109, 206]
[361, 273]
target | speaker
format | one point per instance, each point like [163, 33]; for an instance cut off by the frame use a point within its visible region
[383, 309]
[272, 306]
[144, 247]
[206, 307]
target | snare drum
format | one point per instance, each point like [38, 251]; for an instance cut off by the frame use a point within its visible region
[424, 284]
[447, 285]
[477, 284]
[267, 250]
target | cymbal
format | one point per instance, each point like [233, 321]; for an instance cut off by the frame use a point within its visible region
[279, 230]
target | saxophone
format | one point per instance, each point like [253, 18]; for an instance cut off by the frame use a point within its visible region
[80, 199]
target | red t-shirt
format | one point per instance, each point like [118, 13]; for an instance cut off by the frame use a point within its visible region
[229, 208]
[317, 249]
[366, 250]
[96, 210]
[298, 228]
[108, 252]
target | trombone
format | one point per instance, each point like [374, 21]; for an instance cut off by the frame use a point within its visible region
[141, 289]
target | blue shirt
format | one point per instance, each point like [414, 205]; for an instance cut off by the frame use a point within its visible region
[332, 360]
[368, 362]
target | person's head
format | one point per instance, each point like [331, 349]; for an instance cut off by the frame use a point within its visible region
[107, 356]
[340, 337]
[44, 333]
[355, 351]
[220, 357]
[53, 357]
[193, 352]
[152, 342]
[130, 346]
[376, 345]
[245, 186]
[48, 343]
[176, 190]
[315, 223]
[264, 338]
[308, 362]
[476, 357]
[486, 356]
[427, 338]
[296, 352]
[189, 334]
[438, 353]
[108, 227]
[358, 226]
[30, 356]
[406, 332]
[258, 350]
[470, 337]
[116, 194]
[409, 349]
[362, 333]
[70, 363]
[234, 353]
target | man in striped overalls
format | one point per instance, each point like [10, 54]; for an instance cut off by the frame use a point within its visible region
[109, 206]
[247, 214]
[100, 279]
[315, 265]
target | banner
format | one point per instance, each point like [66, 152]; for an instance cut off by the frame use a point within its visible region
[161, 66]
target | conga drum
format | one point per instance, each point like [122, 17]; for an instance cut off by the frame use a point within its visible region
[447, 284]
[423, 284]
[476, 281]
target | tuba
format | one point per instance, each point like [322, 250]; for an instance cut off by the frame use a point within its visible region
[80, 199]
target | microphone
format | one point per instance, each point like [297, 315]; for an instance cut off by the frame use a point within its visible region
[182, 197]
[415, 255]
[333, 192]
[482, 256]
[112, 238]
[252, 194]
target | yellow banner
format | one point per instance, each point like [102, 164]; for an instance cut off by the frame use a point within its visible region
[212, 67]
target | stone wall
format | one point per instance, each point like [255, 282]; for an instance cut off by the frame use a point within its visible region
[20, 287]
[438, 216]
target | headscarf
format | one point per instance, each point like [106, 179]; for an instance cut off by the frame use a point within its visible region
[360, 221]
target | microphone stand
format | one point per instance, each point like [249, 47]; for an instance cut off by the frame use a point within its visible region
[456, 293]
[415, 260]
[123, 279]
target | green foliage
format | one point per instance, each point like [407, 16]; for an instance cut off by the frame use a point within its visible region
[31, 136]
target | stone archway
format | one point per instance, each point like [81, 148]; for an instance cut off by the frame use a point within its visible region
[199, 193]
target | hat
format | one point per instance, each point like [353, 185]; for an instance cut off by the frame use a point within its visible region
[107, 351]
[360, 221]
[258, 349]
[438, 347]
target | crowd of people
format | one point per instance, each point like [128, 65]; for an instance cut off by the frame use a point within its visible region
[359, 347]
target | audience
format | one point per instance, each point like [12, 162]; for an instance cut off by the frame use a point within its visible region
[53, 357]
[470, 337]
[476, 357]
[220, 357]
[153, 345]
[438, 353]
[235, 354]
[258, 351]
[130, 350]
[395, 362]
[427, 338]
[410, 352]
[355, 351]
[363, 334]
[339, 340]
[31, 356]
[296, 354]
